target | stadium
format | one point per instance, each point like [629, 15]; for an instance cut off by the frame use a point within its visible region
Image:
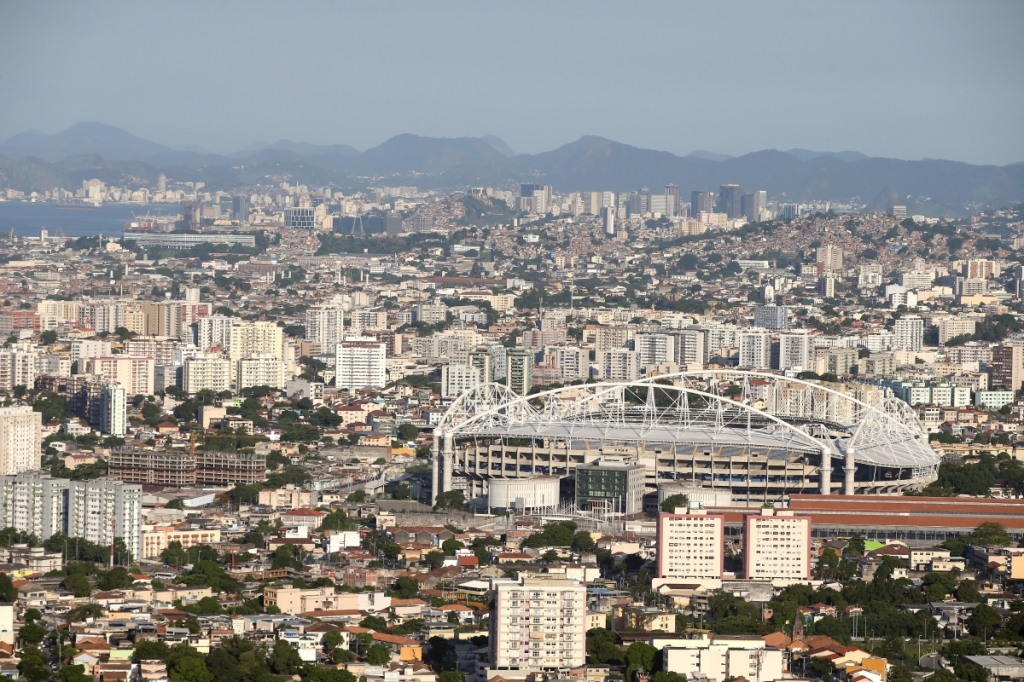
[756, 436]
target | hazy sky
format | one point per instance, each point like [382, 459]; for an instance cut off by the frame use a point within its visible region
[900, 79]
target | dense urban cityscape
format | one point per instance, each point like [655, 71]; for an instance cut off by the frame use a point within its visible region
[545, 342]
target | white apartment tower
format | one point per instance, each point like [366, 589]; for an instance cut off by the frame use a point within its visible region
[325, 325]
[777, 546]
[259, 369]
[656, 349]
[909, 332]
[619, 364]
[755, 350]
[360, 363]
[456, 379]
[206, 371]
[114, 415]
[538, 623]
[21, 435]
[33, 504]
[691, 545]
[796, 351]
[214, 332]
[102, 510]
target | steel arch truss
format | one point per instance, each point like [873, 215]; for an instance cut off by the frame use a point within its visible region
[720, 405]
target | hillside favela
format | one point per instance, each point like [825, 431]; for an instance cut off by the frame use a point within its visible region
[431, 409]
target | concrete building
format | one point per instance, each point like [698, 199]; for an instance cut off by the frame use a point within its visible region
[524, 633]
[796, 351]
[830, 258]
[1007, 366]
[456, 379]
[136, 374]
[612, 485]
[325, 325]
[656, 349]
[691, 545]
[206, 371]
[33, 504]
[777, 546]
[951, 327]
[774, 317]
[360, 364]
[724, 657]
[114, 411]
[259, 369]
[909, 333]
[619, 364]
[690, 347]
[20, 439]
[102, 510]
[17, 368]
[755, 350]
[520, 370]
[214, 331]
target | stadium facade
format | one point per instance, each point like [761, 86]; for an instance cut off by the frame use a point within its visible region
[758, 437]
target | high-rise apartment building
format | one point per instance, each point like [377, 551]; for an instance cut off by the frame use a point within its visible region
[250, 338]
[777, 546]
[1006, 367]
[655, 349]
[214, 331]
[690, 347]
[608, 220]
[102, 510]
[206, 371]
[325, 325]
[755, 350]
[619, 364]
[796, 352]
[17, 368]
[360, 363]
[483, 360]
[135, 374]
[300, 217]
[753, 204]
[431, 313]
[520, 370]
[98, 511]
[672, 198]
[240, 208]
[771, 317]
[21, 436]
[571, 362]
[830, 258]
[259, 369]
[538, 623]
[33, 504]
[952, 327]
[691, 545]
[114, 411]
[827, 287]
[456, 379]
[909, 332]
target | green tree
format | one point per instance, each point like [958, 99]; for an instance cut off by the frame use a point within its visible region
[451, 546]
[358, 497]
[454, 500]
[284, 659]
[376, 623]
[402, 491]
[32, 615]
[32, 633]
[32, 665]
[983, 622]
[434, 559]
[190, 669]
[990, 534]
[408, 432]
[73, 673]
[670, 503]
[450, 676]
[378, 654]
[406, 587]
[150, 650]
[8, 592]
[967, 591]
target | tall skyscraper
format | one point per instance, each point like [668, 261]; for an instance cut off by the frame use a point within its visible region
[538, 623]
[730, 200]
[102, 510]
[830, 258]
[701, 202]
[608, 220]
[325, 325]
[21, 436]
[1007, 367]
[115, 409]
[240, 208]
[755, 350]
[672, 191]
[753, 203]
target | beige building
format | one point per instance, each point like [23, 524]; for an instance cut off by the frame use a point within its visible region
[287, 498]
[21, 435]
[691, 545]
[210, 371]
[777, 546]
[538, 623]
[293, 600]
[136, 374]
[724, 657]
[158, 538]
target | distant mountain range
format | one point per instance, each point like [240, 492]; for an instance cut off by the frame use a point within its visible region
[36, 161]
